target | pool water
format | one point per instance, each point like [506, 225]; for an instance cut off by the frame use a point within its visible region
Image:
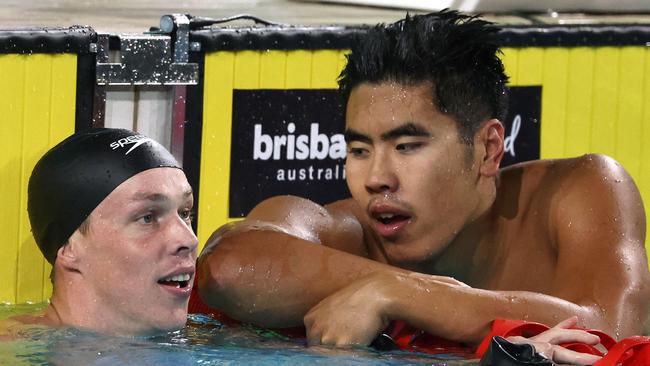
[203, 341]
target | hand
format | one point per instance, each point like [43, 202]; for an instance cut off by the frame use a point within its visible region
[548, 343]
[355, 314]
[352, 316]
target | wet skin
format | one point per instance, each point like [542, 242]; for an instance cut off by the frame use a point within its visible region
[111, 278]
[438, 236]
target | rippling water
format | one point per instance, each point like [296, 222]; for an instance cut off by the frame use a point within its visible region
[203, 341]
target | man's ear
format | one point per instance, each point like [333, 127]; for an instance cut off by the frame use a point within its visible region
[491, 143]
[69, 256]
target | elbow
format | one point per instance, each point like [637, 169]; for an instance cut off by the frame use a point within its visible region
[229, 281]
[215, 279]
[225, 274]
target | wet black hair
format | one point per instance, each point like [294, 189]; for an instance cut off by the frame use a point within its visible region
[458, 53]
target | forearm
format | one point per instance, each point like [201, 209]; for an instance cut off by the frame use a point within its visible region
[273, 279]
[465, 314]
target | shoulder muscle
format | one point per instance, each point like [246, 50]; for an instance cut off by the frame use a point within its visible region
[335, 225]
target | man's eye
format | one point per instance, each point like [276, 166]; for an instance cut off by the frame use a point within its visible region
[409, 146]
[147, 219]
[357, 151]
[186, 215]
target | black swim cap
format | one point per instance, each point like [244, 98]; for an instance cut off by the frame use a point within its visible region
[76, 175]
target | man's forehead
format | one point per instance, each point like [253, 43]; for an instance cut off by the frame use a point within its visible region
[379, 108]
[153, 195]
[154, 184]
[393, 91]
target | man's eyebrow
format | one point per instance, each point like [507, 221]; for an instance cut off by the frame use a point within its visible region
[352, 135]
[157, 197]
[407, 129]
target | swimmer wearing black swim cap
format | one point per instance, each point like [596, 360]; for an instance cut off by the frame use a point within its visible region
[71, 179]
[110, 210]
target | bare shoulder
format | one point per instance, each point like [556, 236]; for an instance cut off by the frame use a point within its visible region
[350, 232]
[10, 330]
[301, 214]
[15, 327]
[279, 208]
[594, 182]
[592, 167]
[601, 186]
[335, 225]
[591, 193]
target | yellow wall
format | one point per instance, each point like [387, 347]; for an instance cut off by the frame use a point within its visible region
[593, 100]
[37, 100]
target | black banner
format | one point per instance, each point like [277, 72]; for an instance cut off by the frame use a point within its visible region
[522, 125]
[286, 142]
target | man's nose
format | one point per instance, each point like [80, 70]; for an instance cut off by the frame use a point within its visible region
[381, 176]
[184, 240]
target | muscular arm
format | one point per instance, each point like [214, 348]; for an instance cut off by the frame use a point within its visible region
[270, 270]
[599, 223]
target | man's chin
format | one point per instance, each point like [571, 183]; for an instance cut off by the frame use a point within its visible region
[413, 262]
[169, 323]
[176, 322]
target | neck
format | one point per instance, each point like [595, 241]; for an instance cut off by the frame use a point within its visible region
[73, 304]
[472, 254]
[52, 316]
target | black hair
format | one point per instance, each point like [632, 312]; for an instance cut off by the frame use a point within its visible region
[457, 53]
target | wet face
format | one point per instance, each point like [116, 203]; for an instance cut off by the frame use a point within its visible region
[139, 254]
[410, 171]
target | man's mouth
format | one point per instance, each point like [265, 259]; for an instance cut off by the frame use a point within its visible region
[177, 281]
[389, 221]
[389, 218]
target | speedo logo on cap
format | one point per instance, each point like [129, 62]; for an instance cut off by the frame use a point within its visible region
[135, 140]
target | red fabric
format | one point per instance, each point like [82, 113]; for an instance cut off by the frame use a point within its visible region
[509, 328]
[411, 339]
[631, 351]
